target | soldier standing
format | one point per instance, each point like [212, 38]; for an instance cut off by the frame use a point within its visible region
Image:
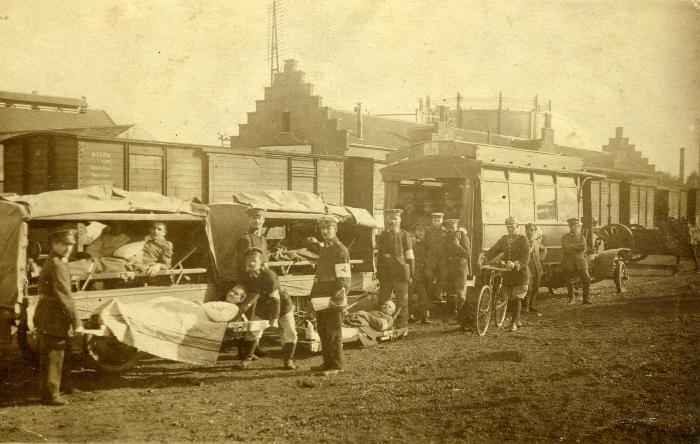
[418, 287]
[254, 238]
[457, 253]
[574, 262]
[516, 254]
[435, 264]
[56, 319]
[332, 279]
[537, 255]
[395, 264]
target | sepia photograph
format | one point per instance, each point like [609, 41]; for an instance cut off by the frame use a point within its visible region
[360, 221]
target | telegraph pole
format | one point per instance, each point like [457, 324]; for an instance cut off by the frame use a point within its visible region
[274, 52]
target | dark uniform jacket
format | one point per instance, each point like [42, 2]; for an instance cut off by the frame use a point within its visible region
[573, 249]
[327, 282]
[421, 254]
[265, 284]
[392, 264]
[55, 313]
[245, 243]
[458, 249]
[435, 245]
[537, 255]
[515, 248]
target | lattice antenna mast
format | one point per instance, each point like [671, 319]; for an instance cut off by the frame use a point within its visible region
[272, 37]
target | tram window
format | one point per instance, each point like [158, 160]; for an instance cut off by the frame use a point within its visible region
[642, 204]
[604, 203]
[519, 176]
[650, 208]
[493, 174]
[522, 202]
[547, 179]
[595, 200]
[634, 205]
[545, 203]
[494, 198]
[614, 203]
[567, 203]
[566, 180]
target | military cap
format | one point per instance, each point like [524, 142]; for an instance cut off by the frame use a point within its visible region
[64, 234]
[327, 219]
[511, 221]
[530, 226]
[452, 221]
[437, 214]
[393, 212]
[253, 250]
[573, 220]
[417, 225]
[256, 211]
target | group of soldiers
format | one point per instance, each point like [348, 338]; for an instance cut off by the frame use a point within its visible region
[429, 262]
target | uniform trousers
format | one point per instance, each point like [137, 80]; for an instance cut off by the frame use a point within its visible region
[585, 279]
[400, 292]
[420, 308]
[286, 324]
[531, 298]
[330, 330]
[435, 278]
[54, 365]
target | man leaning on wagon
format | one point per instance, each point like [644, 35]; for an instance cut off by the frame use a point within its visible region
[537, 254]
[56, 319]
[457, 254]
[332, 280]
[395, 264]
[574, 261]
[516, 255]
[435, 263]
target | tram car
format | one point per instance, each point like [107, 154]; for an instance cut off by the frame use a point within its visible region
[482, 185]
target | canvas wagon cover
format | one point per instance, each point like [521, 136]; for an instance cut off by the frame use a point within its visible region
[229, 221]
[15, 210]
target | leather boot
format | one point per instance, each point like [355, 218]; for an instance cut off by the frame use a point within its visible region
[586, 296]
[250, 347]
[288, 352]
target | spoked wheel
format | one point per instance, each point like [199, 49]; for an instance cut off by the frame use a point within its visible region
[483, 310]
[620, 236]
[500, 303]
[621, 277]
[107, 355]
[642, 242]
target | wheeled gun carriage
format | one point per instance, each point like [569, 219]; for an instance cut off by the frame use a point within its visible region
[482, 185]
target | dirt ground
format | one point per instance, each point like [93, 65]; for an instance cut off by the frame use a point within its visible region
[624, 369]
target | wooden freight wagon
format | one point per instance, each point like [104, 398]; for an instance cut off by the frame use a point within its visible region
[46, 161]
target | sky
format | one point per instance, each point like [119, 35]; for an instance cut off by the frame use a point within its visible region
[190, 70]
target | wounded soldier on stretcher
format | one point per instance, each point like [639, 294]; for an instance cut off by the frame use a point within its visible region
[379, 320]
[150, 255]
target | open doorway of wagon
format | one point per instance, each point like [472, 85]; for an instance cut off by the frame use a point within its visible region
[419, 198]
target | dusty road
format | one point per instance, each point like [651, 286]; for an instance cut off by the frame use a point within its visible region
[624, 369]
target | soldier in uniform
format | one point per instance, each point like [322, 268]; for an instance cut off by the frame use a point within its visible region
[419, 310]
[261, 282]
[254, 238]
[435, 264]
[457, 253]
[332, 280]
[537, 255]
[56, 319]
[516, 254]
[395, 264]
[573, 260]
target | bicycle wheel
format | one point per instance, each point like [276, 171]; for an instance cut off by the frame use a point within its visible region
[500, 303]
[483, 310]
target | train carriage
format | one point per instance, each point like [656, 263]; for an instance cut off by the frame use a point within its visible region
[482, 185]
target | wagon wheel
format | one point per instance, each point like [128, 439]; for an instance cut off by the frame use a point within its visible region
[500, 302]
[476, 312]
[28, 342]
[621, 277]
[107, 355]
[616, 236]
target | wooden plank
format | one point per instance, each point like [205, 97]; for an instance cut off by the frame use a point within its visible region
[184, 174]
[145, 172]
[330, 181]
[36, 168]
[14, 167]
